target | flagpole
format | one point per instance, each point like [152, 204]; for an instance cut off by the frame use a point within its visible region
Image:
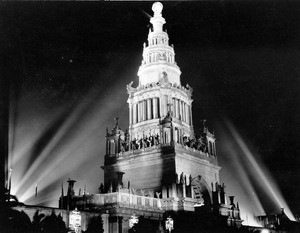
[36, 188]
[9, 181]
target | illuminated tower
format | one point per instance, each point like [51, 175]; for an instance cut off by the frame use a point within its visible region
[160, 154]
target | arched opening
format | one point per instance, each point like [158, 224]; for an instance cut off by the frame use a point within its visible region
[176, 135]
[112, 147]
[210, 148]
[202, 193]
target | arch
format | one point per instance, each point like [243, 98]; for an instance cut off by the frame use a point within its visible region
[176, 135]
[202, 192]
[210, 148]
[112, 147]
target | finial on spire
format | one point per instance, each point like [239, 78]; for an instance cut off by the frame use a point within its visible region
[157, 8]
[157, 20]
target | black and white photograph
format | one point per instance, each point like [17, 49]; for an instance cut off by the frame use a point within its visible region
[144, 116]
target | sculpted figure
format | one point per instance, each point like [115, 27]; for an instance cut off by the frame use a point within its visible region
[130, 88]
[157, 195]
[181, 178]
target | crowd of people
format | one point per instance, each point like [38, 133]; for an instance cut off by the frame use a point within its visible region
[135, 144]
[199, 143]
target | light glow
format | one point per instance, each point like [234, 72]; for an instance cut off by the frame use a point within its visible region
[260, 173]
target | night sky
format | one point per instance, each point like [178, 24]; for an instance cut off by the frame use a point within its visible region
[69, 62]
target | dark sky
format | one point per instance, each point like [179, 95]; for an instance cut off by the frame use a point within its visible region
[69, 62]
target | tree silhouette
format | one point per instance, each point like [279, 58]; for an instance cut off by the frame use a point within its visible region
[48, 224]
[36, 221]
[15, 221]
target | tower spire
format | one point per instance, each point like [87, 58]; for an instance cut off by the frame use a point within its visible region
[158, 55]
[157, 20]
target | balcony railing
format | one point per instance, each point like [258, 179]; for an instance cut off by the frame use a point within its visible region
[120, 199]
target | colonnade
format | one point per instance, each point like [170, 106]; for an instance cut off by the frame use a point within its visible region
[182, 110]
[158, 40]
[143, 110]
[155, 57]
[151, 108]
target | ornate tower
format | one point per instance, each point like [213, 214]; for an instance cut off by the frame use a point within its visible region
[159, 93]
[160, 152]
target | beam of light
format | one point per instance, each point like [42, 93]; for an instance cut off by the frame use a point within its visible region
[246, 183]
[73, 148]
[246, 189]
[67, 151]
[145, 13]
[272, 189]
[51, 145]
[61, 153]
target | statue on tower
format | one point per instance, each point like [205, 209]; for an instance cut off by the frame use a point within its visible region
[164, 78]
[129, 88]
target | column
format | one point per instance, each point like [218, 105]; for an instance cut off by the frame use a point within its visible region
[148, 109]
[183, 190]
[151, 108]
[183, 111]
[139, 112]
[145, 109]
[214, 149]
[188, 114]
[176, 109]
[134, 114]
[158, 108]
[154, 107]
[130, 113]
[180, 109]
[142, 110]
